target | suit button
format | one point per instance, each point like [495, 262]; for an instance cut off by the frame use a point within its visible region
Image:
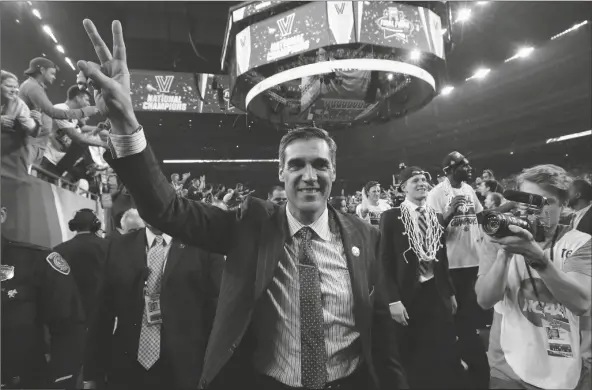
[203, 384]
[125, 353]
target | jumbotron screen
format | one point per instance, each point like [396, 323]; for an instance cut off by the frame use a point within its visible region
[164, 91]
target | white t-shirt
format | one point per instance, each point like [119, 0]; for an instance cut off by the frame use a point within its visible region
[374, 212]
[545, 347]
[463, 235]
[59, 141]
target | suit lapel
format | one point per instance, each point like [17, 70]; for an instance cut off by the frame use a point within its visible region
[173, 258]
[352, 239]
[138, 250]
[271, 249]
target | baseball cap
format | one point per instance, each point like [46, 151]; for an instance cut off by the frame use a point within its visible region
[409, 172]
[40, 62]
[453, 160]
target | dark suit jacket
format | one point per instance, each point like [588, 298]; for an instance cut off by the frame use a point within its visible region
[86, 255]
[253, 240]
[190, 288]
[585, 225]
[402, 281]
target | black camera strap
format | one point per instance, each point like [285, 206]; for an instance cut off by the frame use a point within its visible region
[552, 256]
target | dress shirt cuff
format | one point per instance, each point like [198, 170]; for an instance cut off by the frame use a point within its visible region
[395, 303]
[127, 145]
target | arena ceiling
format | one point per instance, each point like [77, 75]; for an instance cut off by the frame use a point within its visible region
[502, 121]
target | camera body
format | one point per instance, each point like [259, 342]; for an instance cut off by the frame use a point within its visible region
[530, 206]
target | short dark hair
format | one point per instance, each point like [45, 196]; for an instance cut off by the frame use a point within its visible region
[74, 92]
[274, 188]
[306, 133]
[494, 186]
[496, 198]
[369, 185]
[584, 188]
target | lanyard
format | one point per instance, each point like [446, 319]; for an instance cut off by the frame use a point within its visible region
[552, 255]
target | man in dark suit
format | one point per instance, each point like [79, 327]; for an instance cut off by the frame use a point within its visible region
[86, 255]
[159, 347]
[580, 200]
[302, 302]
[421, 293]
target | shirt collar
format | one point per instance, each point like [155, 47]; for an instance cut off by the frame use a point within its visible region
[412, 205]
[38, 82]
[320, 226]
[151, 236]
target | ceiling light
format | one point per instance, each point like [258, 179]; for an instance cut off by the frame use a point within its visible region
[524, 52]
[511, 152]
[48, 31]
[480, 73]
[446, 90]
[415, 55]
[237, 146]
[218, 161]
[482, 2]
[44, 55]
[28, 2]
[444, 31]
[36, 13]
[574, 27]
[388, 76]
[570, 136]
[18, 21]
[69, 62]
[60, 48]
[463, 15]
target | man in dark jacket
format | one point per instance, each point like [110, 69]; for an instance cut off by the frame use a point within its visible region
[39, 290]
[421, 293]
[86, 254]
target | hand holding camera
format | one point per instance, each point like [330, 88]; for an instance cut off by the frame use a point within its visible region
[522, 242]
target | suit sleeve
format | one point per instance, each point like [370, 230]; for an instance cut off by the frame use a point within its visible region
[387, 256]
[64, 316]
[194, 223]
[384, 337]
[101, 326]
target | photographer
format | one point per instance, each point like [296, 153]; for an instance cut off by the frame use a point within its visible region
[535, 337]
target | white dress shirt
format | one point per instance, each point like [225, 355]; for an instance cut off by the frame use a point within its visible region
[150, 237]
[278, 352]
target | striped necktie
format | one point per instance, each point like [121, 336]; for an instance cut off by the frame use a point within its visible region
[149, 347]
[312, 336]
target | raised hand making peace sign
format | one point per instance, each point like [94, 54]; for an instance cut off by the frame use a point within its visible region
[111, 79]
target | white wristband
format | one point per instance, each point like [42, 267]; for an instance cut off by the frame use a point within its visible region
[127, 145]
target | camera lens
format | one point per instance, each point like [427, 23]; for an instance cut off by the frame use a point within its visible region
[496, 224]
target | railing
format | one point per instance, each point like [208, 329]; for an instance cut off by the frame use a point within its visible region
[61, 182]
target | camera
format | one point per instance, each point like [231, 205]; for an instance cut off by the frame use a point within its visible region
[497, 224]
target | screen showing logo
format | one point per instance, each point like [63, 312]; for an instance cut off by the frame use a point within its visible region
[164, 83]
[340, 8]
[285, 24]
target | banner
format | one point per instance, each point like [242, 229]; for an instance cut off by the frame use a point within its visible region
[164, 91]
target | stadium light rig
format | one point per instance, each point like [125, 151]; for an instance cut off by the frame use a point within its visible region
[60, 48]
[464, 14]
[69, 62]
[569, 136]
[48, 31]
[573, 28]
[447, 90]
[36, 12]
[480, 74]
[415, 55]
[522, 53]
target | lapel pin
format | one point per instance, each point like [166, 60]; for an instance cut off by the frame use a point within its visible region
[12, 293]
[181, 246]
[356, 251]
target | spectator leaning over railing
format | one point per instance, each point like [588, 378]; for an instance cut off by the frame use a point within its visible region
[18, 123]
[42, 72]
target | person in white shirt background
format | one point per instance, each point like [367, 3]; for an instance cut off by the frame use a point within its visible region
[372, 206]
[541, 291]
